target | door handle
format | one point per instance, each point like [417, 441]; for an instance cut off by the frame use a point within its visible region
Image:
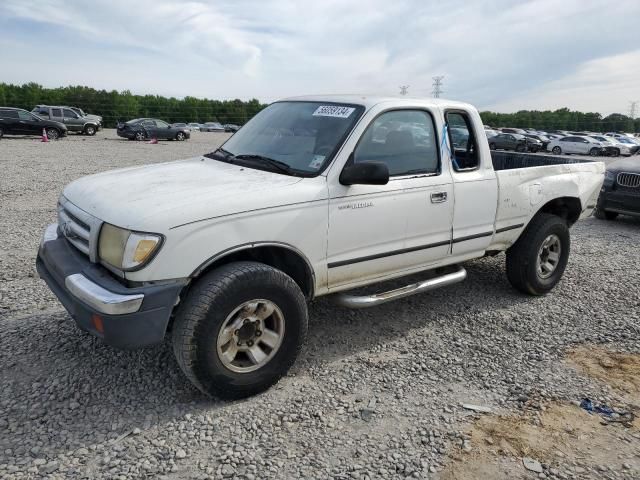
[438, 197]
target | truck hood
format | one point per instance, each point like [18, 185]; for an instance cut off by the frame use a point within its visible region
[155, 198]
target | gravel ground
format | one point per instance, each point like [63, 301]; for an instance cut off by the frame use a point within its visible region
[375, 394]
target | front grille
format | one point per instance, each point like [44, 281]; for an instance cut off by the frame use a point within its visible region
[631, 180]
[79, 228]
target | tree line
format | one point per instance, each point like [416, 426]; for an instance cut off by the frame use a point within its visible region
[563, 119]
[116, 106]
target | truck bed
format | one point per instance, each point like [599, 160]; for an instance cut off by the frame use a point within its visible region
[503, 160]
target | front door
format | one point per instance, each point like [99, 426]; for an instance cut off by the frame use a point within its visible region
[28, 124]
[163, 130]
[72, 120]
[378, 230]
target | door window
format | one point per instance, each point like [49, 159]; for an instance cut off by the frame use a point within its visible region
[161, 124]
[56, 112]
[9, 114]
[464, 148]
[69, 113]
[404, 140]
[25, 115]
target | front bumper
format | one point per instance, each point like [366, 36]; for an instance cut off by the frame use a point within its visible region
[122, 317]
[620, 201]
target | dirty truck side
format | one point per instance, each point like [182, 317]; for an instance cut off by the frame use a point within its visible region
[314, 196]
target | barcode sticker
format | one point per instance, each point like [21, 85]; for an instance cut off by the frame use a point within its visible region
[333, 111]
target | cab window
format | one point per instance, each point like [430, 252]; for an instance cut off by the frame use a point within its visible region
[404, 140]
[462, 141]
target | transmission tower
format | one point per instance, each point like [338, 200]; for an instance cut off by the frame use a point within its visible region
[632, 109]
[404, 90]
[437, 86]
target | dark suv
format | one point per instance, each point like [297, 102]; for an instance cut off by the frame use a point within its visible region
[73, 121]
[16, 121]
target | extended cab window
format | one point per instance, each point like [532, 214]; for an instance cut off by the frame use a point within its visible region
[462, 139]
[402, 139]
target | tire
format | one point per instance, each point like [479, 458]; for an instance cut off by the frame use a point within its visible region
[180, 136]
[556, 151]
[522, 258]
[90, 130]
[520, 148]
[140, 136]
[1, 132]
[593, 152]
[602, 214]
[616, 152]
[492, 146]
[210, 308]
[52, 133]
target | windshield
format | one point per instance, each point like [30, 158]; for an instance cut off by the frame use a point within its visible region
[302, 135]
[624, 140]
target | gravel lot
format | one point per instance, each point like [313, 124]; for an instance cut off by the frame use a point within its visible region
[375, 394]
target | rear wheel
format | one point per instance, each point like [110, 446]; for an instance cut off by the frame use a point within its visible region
[240, 329]
[52, 133]
[536, 262]
[556, 150]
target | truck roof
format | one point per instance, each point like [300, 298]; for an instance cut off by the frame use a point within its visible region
[369, 101]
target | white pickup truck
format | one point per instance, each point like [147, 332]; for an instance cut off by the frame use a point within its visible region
[314, 196]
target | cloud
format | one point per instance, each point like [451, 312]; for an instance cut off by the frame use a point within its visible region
[493, 53]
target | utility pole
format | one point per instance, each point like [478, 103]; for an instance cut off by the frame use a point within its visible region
[404, 90]
[437, 86]
[632, 109]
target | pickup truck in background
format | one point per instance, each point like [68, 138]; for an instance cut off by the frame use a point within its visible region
[73, 121]
[314, 196]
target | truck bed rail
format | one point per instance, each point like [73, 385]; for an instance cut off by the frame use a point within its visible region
[512, 160]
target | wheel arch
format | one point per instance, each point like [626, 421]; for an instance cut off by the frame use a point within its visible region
[282, 256]
[568, 208]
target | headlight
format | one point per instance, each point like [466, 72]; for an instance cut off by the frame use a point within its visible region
[126, 250]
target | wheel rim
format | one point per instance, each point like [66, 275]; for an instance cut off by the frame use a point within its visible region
[593, 152]
[52, 134]
[549, 256]
[556, 150]
[251, 336]
[139, 136]
[181, 136]
[90, 131]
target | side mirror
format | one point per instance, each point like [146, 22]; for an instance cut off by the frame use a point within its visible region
[365, 173]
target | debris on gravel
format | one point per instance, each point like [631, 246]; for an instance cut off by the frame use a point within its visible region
[377, 393]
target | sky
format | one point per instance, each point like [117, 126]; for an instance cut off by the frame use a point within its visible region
[496, 54]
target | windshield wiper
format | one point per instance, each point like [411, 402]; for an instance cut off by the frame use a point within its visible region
[282, 166]
[221, 154]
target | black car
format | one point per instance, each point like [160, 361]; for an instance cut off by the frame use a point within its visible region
[620, 193]
[145, 128]
[16, 121]
[511, 141]
[541, 138]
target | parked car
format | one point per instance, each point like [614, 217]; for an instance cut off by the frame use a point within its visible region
[211, 127]
[222, 251]
[544, 140]
[620, 192]
[230, 127]
[519, 131]
[194, 127]
[65, 115]
[180, 125]
[16, 121]
[508, 141]
[81, 112]
[575, 145]
[145, 128]
[616, 146]
[490, 133]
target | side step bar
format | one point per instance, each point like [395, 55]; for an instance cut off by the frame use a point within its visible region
[364, 301]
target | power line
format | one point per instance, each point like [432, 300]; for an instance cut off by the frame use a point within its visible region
[404, 90]
[437, 86]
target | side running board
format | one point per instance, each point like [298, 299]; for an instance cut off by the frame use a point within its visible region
[364, 301]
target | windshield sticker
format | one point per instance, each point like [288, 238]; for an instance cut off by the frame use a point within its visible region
[333, 111]
[317, 161]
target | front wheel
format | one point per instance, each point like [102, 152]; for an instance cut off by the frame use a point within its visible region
[536, 262]
[556, 150]
[240, 329]
[90, 130]
[52, 134]
[594, 152]
[180, 136]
